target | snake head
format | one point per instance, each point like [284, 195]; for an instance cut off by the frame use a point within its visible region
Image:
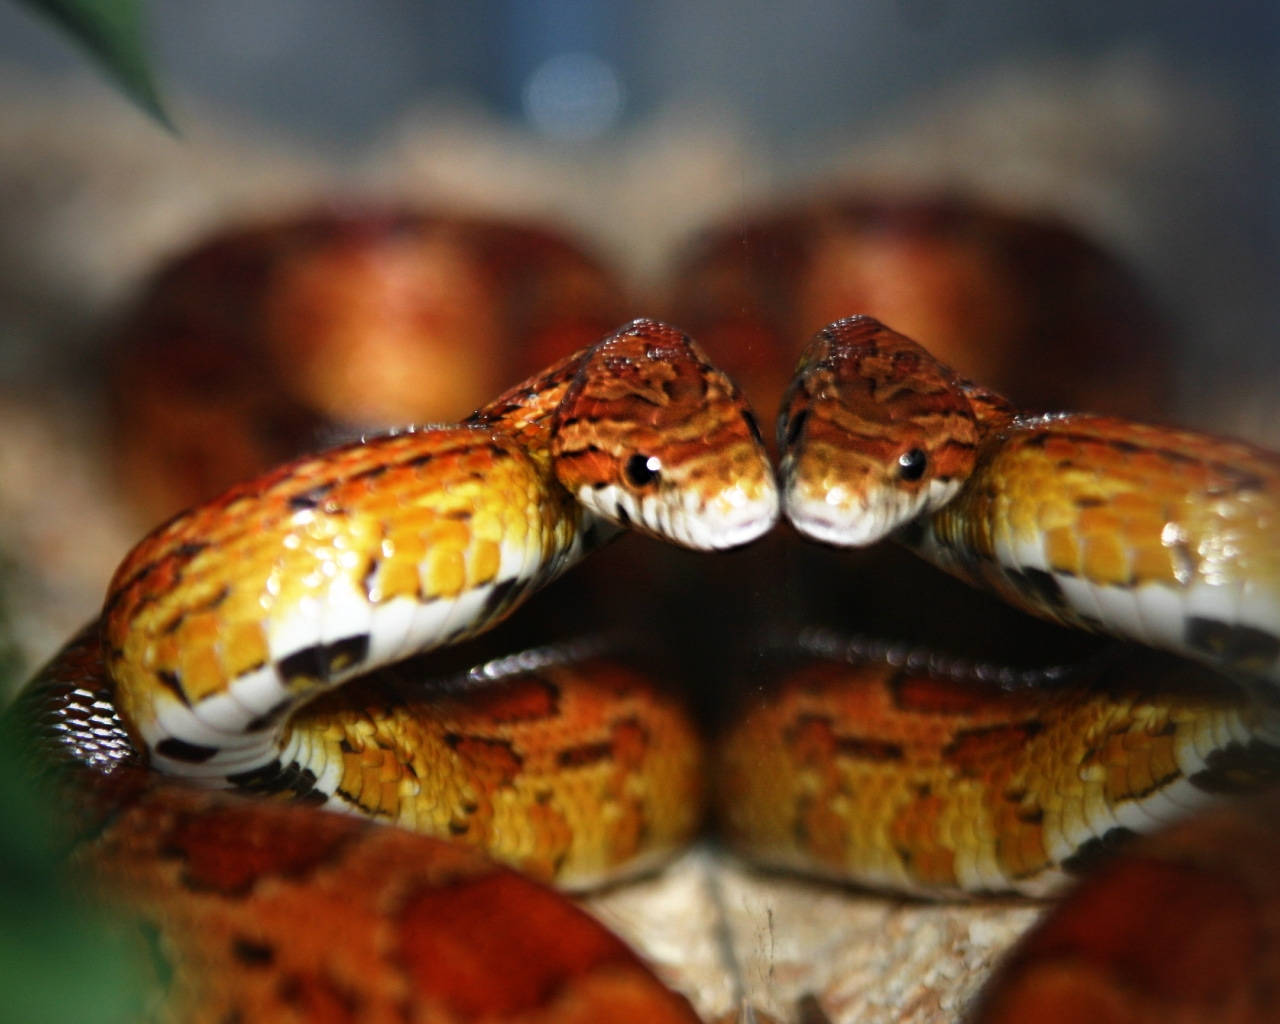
[873, 433]
[651, 436]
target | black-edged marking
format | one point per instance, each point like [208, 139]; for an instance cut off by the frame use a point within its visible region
[172, 682]
[502, 596]
[1235, 478]
[1039, 586]
[497, 758]
[272, 778]
[321, 662]
[753, 426]
[188, 549]
[862, 748]
[311, 498]
[251, 953]
[1244, 647]
[372, 810]
[972, 751]
[180, 750]
[584, 754]
[372, 473]
[1239, 768]
[270, 717]
[1241, 480]
[1033, 815]
[1095, 850]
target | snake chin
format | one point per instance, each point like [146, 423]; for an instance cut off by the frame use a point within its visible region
[732, 518]
[841, 517]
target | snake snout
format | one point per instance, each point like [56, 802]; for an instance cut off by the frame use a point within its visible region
[735, 515]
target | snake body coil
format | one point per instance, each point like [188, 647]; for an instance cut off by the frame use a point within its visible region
[232, 636]
[897, 776]
[225, 622]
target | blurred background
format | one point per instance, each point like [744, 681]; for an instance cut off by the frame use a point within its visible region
[1151, 128]
[1081, 199]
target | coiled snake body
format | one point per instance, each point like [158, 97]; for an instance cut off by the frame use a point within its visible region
[225, 628]
[1146, 533]
[225, 621]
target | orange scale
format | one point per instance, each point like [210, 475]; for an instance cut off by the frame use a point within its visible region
[1106, 559]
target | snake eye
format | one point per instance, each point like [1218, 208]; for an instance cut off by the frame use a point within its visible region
[911, 464]
[642, 470]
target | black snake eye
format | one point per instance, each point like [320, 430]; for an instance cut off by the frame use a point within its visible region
[911, 464]
[642, 470]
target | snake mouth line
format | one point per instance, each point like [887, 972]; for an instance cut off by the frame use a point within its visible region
[853, 531]
[742, 534]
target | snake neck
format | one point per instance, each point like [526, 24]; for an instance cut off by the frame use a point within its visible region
[225, 621]
[527, 411]
[1152, 534]
[991, 412]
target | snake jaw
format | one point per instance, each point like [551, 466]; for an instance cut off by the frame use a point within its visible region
[844, 517]
[730, 517]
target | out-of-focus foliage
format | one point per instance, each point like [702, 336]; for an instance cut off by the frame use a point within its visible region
[111, 30]
[62, 958]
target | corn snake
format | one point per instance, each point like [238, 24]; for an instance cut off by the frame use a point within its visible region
[1145, 533]
[229, 619]
[197, 744]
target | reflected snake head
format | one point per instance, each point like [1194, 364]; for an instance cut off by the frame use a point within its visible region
[651, 436]
[873, 433]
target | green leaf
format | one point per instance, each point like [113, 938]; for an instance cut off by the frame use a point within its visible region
[111, 30]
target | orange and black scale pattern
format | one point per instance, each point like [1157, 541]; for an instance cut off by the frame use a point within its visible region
[577, 772]
[214, 888]
[1128, 508]
[417, 518]
[904, 775]
[229, 629]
